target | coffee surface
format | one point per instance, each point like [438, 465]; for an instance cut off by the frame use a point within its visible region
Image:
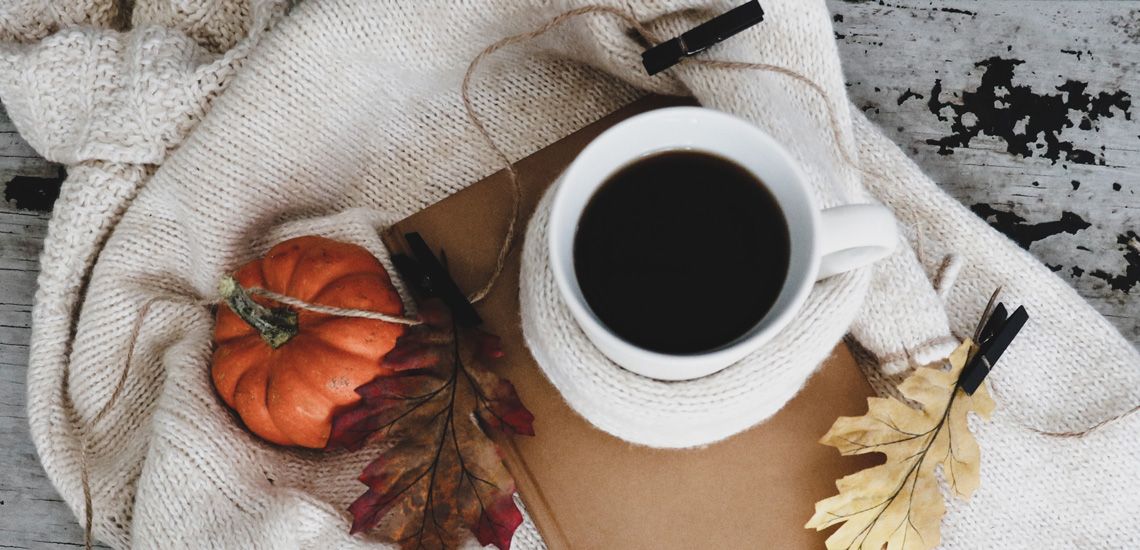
[681, 252]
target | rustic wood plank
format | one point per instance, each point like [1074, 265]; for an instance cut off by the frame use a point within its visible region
[1024, 81]
[896, 55]
[17, 158]
[31, 512]
[28, 182]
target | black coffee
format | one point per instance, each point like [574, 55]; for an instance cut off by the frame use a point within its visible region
[681, 252]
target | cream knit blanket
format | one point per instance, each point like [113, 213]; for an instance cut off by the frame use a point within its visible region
[346, 117]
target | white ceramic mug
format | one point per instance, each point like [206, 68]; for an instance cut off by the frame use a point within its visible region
[822, 243]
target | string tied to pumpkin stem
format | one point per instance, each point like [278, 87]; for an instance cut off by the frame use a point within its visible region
[275, 325]
[278, 325]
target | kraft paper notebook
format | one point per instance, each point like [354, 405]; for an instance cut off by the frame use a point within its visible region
[586, 489]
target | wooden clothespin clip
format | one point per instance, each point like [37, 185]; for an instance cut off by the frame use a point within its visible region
[429, 278]
[718, 29]
[994, 333]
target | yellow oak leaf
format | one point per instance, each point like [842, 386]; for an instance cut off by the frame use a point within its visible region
[898, 505]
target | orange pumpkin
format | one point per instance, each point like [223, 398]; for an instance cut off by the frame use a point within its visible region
[287, 372]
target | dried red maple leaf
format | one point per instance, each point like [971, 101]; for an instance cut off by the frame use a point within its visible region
[441, 473]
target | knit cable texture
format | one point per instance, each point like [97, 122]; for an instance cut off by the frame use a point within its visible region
[196, 140]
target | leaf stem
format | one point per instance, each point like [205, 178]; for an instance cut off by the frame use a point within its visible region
[448, 425]
[915, 470]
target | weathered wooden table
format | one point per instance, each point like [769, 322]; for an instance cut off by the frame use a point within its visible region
[1020, 109]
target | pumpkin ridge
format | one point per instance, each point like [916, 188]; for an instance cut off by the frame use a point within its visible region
[263, 278]
[301, 408]
[295, 269]
[228, 359]
[283, 260]
[344, 357]
[256, 407]
[231, 340]
[316, 332]
[252, 274]
[328, 256]
[366, 276]
[223, 314]
[273, 425]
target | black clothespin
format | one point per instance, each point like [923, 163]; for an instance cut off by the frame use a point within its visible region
[994, 333]
[668, 53]
[429, 278]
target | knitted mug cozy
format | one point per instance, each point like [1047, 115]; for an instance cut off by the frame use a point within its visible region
[688, 413]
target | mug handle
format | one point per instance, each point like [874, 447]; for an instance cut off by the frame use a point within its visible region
[853, 236]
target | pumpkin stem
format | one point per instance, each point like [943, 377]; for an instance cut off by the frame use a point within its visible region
[275, 325]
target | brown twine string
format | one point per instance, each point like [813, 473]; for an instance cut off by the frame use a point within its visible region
[1027, 425]
[512, 227]
[330, 310]
[473, 117]
[1018, 419]
[85, 450]
[1095, 428]
[947, 275]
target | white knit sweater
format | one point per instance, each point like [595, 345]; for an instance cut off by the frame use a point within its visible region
[346, 117]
